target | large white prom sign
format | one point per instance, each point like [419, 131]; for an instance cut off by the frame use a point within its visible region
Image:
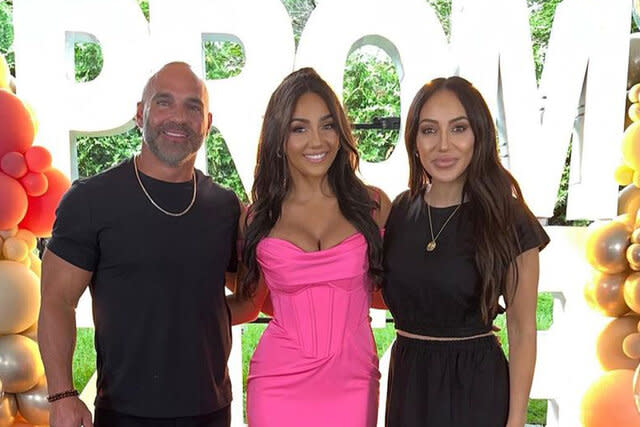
[490, 44]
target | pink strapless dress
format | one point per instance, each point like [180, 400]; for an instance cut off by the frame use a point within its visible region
[316, 363]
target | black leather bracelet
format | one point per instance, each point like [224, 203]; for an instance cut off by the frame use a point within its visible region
[62, 395]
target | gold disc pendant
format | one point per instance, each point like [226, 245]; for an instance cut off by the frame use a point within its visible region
[431, 246]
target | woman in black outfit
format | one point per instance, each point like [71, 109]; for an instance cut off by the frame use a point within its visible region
[457, 240]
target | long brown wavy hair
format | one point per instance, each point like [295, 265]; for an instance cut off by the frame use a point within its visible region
[272, 178]
[492, 192]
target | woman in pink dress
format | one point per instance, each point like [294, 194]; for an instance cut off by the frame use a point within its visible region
[312, 243]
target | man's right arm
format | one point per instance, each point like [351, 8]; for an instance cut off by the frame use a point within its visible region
[62, 285]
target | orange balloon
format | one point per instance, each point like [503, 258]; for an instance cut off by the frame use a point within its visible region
[13, 201]
[16, 127]
[631, 292]
[42, 210]
[38, 159]
[606, 246]
[604, 292]
[14, 165]
[609, 343]
[35, 184]
[609, 401]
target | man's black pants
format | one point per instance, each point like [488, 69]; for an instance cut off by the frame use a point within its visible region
[106, 418]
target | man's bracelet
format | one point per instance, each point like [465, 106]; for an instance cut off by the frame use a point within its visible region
[62, 395]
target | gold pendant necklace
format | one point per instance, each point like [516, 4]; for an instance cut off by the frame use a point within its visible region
[432, 244]
[146, 193]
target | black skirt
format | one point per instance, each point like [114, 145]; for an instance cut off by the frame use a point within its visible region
[447, 384]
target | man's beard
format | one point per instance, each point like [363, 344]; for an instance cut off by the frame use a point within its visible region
[180, 152]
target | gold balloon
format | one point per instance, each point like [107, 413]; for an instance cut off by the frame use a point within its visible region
[32, 332]
[631, 346]
[19, 297]
[5, 234]
[36, 264]
[609, 349]
[15, 249]
[606, 246]
[33, 404]
[623, 175]
[605, 293]
[633, 93]
[635, 236]
[633, 256]
[634, 112]
[8, 410]
[629, 200]
[631, 292]
[5, 74]
[28, 237]
[20, 363]
[631, 146]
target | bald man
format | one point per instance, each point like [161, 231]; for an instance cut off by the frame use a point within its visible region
[153, 238]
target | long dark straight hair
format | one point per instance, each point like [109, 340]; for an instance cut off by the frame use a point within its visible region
[272, 178]
[492, 192]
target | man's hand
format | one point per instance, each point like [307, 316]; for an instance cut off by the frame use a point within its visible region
[69, 412]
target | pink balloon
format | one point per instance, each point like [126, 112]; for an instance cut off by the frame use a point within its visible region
[14, 164]
[38, 159]
[35, 184]
[42, 210]
[13, 202]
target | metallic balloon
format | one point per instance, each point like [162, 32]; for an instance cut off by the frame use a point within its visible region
[33, 404]
[606, 246]
[8, 410]
[631, 292]
[631, 346]
[635, 236]
[609, 349]
[604, 292]
[629, 200]
[1, 390]
[19, 297]
[633, 71]
[32, 332]
[20, 363]
[633, 256]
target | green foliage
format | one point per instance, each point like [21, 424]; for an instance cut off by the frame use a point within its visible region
[6, 34]
[443, 10]
[541, 13]
[222, 59]
[220, 165]
[299, 12]
[96, 154]
[88, 60]
[372, 89]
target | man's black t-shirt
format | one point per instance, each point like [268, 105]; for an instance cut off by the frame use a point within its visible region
[162, 324]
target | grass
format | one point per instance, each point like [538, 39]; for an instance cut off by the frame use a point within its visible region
[84, 358]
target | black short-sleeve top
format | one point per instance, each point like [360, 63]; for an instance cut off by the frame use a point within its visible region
[438, 293]
[162, 326]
